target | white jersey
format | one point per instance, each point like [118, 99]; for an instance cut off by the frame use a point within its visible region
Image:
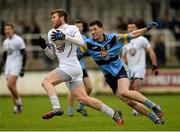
[14, 58]
[66, 51]
[135, 53]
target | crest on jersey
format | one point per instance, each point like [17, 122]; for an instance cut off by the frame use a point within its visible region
[132, 51]
[60, 48]
[104, 53]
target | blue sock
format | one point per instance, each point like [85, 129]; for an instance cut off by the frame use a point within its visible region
[80, 106]
[149, 103]
[152, 116]
[70, 110]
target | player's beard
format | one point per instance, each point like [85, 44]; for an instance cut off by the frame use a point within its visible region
[57, 25]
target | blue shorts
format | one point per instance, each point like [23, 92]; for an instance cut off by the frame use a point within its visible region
[112, 81]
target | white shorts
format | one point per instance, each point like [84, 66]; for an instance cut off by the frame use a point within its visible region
[138, 73]
[73, 69]
[12, 69]
[68, 80]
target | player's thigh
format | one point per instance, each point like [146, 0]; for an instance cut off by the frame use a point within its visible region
[57, 76]
[11, 80]
[123, 85]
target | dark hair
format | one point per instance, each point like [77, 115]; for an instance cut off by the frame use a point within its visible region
[132, 21]
[96, 22]
[9, 25]
[85, 27]
[61, 12]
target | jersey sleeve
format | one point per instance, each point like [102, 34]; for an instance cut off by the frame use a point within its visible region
[145, 42]
[21, 43]
[123, 38]
[76, 33]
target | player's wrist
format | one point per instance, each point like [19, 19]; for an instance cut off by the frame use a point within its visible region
[155, 67]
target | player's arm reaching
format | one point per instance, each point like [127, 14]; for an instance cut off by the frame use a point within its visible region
[142, 31]
[3, 61]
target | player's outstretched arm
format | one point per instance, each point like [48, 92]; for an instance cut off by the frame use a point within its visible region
[142, 31]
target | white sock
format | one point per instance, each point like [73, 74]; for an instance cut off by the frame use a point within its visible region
[55, 102]
[18, 101]
[106, 109]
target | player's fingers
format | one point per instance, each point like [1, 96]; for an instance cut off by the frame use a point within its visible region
[58, 30]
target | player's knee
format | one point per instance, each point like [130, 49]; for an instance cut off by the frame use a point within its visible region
[83, 100]
[10, 85]
[123, 93]
[45, 82]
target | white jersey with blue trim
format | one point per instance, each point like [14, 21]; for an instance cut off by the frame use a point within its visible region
[66, 51]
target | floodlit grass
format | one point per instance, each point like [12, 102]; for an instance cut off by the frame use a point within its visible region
[34, 107]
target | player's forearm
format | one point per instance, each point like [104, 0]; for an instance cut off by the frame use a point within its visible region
[153, 58]
[74, 40]
[23, 52]
[138, 32]
[50, 51]
[4, 58]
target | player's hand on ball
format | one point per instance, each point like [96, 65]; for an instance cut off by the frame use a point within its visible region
[151, 25]
[42, 42]
[57, 35]
[155, 70]
[22, 72]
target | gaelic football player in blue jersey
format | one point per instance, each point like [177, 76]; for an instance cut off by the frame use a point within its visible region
[104, 49]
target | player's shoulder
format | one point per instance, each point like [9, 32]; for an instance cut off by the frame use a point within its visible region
[89, 40]
[142, 38]
[51, 30]
[5, 41]
[18, 37]
[72, 27]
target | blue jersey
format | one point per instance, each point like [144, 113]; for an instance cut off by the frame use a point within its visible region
[79, 53]
[106, 53]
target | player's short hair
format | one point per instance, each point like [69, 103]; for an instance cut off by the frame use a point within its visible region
[9, 25]
[79, 21]
[132, 21]
[61, 12]
[96, 22]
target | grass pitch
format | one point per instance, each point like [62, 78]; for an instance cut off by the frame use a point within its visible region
[34, 107]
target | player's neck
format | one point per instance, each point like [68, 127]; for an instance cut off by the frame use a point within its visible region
[101, 38]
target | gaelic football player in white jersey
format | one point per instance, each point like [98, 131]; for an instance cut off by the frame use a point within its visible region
[14, 59]
[63, 40]
[134, 55]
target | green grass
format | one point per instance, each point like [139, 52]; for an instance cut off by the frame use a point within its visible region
[34, 107]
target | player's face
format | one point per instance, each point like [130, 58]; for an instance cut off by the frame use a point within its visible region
[56, 20]
[131, 27]
[79, 26]
[96, 32]
[9, 31]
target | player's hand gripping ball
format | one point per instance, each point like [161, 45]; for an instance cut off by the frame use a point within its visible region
[58, 37]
